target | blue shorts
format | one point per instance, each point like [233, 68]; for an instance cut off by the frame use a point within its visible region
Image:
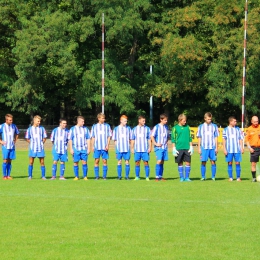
[60, 157]
[142, 156]
[8, 153]
[126, 156]
[80, 155]
[102, 153]
[237, 157]
[36, 154]
[208, 154]
[161, 154]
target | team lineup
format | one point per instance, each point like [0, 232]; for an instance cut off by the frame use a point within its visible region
[79, 142]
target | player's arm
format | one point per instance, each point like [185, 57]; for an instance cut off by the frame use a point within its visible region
[149, 145]
[199, 143]
[89, 148]
[92, 143]
[224, 146]
[108, 143]
[44, 140]
[241, 145]
[70, 146]
[154, 142]
[132, 143]
[216, 142]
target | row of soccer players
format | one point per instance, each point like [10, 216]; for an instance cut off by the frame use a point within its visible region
[139, 139]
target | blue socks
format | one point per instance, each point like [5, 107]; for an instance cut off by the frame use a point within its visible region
[127, 170]
[85, 170]
[180, 170]
[62, 169]
[54, 169]
[119, 171]
[8, 169]
[30, 170]
[96, 170]
[187, 172]
[157, 171]
[76, 170]
[104, 171]
[213, 170]
[43, 171]
[137, 171]
[230, 175]
[238, 170]
[147, 171]
[4, 165]
[203, 171]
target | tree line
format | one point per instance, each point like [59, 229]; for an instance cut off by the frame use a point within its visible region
[50, 58]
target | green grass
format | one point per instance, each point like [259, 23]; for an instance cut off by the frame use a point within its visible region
[128, 219]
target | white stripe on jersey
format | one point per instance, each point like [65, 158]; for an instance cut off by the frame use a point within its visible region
[59, 137]
[160, 134]
[100, 132]
[36, 136]
[78, 135]
[207, 133]
[232, 135]
[141, 135]
[122, 135]
[8, 132]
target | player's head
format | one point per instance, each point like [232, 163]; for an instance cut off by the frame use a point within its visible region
[141, 120]
[80, 121]
[208, 117]
[255, 121]
[63, 123]
[123, 120]
[232, 121]
[9, 119]
[101, 118]
[182, 119]
[36, 120]
[163, 119]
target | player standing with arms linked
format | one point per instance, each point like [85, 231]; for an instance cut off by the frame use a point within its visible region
[79, 144]
[122, 136]
[159, 137]
[208, 145]
[36, 137]
[9, 135]
[59, 139]
[182, 147]
[141, 147]
[253, 144]
[100, 136]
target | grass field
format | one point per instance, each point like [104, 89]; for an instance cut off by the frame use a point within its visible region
[129, 219]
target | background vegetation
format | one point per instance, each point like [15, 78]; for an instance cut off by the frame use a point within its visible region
[50, 58]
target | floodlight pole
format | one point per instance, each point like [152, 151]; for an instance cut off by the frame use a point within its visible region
[103, 63]
[244, 69]
[151, 100]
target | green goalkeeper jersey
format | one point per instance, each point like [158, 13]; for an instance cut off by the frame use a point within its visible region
[181, 136]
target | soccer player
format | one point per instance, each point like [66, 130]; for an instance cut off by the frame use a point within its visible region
[208, 145]
[122, 136]
[182, 147]
[36, 137]
[9, 135]
[253, 144]
[159, 137]
[59, 139]
[141, 147]
[100, 136]
[79, 143]
[233, 147]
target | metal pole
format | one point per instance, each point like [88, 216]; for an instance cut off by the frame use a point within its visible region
[103, 63]
[151, 100]
[244, 71]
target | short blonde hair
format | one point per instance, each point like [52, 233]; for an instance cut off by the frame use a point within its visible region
[208, 114]
[38, 117]
[181, 116]
[8, 115]
[101, 115]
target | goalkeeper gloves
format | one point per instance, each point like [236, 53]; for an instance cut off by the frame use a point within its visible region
[191, 150]
[175, 152]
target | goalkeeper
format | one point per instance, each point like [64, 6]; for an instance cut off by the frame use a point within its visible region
[182, 147]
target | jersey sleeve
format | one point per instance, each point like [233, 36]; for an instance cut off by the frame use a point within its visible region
[16, 130]
[28, 134]
[134, 133]
[148, 135]
[190, 134]
[44, 133]
[52, 135]
[71, 134]
[224, 134]
[87, 133]
[114, 134]
[92, 132]
[173, 135]
[199, 132]
[109, 131]
[216, 132]
[154, 132]
[130, 134]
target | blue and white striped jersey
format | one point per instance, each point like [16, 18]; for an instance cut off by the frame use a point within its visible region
[101, 132]
[8, 132]
[59, 137]
[141, 135]
[232, 135]
[78, 135]
[207, 133]
[36, 136]
[160, 134]
[122, 135]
